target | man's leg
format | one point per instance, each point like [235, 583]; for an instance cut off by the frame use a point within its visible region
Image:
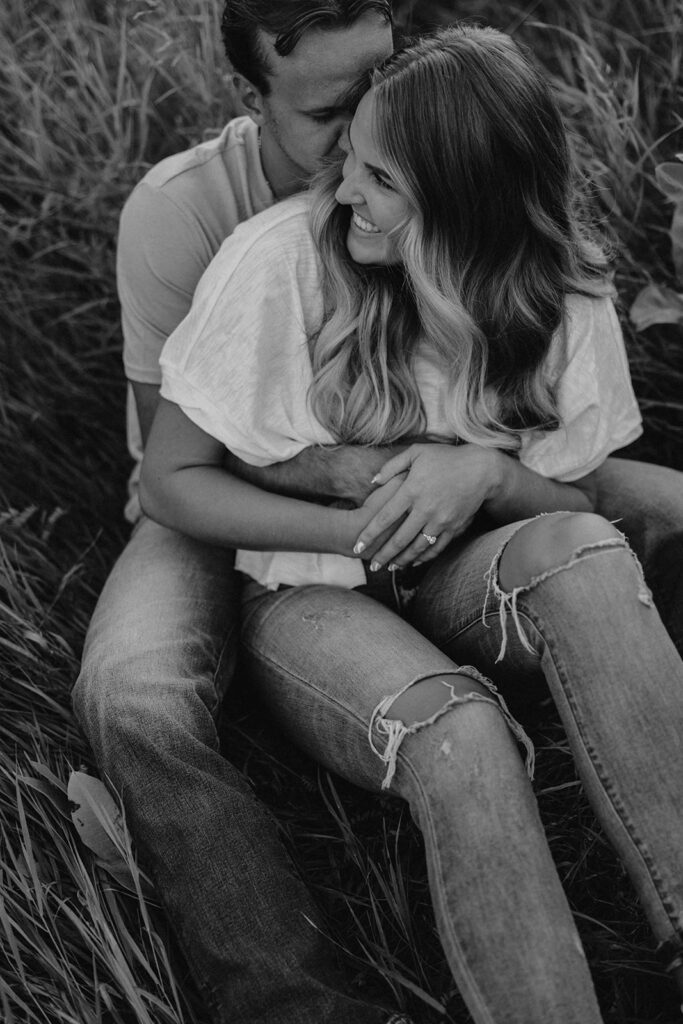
[646, 503]
[153, 672]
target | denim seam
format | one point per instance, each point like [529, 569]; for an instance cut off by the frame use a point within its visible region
[274, 599]
[475, 990]
[231, 638]
[605, 783]
[473, 620]
[349, 713]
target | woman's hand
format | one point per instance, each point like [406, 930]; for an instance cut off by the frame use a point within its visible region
[362, 517]
[442, 489]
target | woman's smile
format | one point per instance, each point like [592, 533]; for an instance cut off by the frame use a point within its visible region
[367, 184]
[364, 225]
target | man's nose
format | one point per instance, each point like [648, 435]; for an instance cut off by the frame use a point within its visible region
[343, 135]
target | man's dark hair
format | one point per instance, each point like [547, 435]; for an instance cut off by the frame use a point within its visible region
[287, 20]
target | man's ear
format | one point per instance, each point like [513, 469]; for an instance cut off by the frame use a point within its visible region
[249, 97]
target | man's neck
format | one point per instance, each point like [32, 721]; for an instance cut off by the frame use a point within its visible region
[283, 176]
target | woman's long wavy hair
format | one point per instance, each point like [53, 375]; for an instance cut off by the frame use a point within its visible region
[473, 138]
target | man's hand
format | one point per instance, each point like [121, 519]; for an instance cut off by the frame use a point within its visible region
[320, 473]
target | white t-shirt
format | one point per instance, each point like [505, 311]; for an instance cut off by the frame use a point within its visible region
[171, 227]
[239, 367]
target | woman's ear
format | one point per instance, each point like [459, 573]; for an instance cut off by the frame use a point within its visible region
[249, 97]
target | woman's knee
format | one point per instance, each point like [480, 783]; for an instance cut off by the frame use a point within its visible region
[429, 696]
[548, 542]
[425, 702]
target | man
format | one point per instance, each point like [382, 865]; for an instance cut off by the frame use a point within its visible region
[162, 640]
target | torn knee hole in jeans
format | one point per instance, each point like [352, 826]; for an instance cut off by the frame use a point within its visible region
[396, 731]
[507, 600]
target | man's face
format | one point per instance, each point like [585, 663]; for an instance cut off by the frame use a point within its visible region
[304, 114]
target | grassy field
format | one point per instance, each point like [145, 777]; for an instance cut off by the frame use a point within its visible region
[92, 94]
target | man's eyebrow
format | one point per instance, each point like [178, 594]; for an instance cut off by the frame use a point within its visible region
[352, 96]
[346, 101]
[332, 108]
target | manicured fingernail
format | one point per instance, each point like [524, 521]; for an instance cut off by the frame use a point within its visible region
[393, 566]
[359, 548]
[374, 566]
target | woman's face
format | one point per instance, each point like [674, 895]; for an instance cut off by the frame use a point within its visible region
[377, 207]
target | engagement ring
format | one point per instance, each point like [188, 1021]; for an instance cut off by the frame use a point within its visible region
[429, 538]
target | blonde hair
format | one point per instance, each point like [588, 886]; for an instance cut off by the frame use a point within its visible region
[473, 138]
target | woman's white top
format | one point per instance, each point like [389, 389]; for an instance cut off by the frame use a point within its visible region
[238, 365]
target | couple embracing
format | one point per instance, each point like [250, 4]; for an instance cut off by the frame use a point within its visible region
[428, 333]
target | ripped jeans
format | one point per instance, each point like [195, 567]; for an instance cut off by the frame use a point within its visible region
[329, 663]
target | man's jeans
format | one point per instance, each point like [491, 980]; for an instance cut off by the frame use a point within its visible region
[156, 660]
[157, 657]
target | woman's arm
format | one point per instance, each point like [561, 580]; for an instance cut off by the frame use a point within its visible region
[318, 473]
[185, 486]
[447, 485]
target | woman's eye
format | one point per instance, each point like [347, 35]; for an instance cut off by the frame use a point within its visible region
[382, 182]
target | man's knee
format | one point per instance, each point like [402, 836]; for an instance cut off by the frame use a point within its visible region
[548, 542]
[108, 697]
[139, 694]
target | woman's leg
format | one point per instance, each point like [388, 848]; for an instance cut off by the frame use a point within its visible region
[371, 699]
[646, 501]
[566, 593]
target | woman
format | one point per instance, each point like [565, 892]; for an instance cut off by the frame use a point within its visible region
[445, 299]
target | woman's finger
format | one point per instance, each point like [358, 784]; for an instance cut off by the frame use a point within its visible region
[420, 550]
[392, 467]
[406, 536]
[416, 554]
[444, 540]
[433, 550]
[387, 516]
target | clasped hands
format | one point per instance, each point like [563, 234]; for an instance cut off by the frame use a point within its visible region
[424, 497]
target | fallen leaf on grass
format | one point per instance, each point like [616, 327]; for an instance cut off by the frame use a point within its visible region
[656, 304]
[101, 828]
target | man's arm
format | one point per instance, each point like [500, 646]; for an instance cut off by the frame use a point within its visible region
[146, 402]
[326, 473]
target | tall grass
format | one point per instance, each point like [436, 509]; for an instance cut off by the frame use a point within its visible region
[92, 93]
